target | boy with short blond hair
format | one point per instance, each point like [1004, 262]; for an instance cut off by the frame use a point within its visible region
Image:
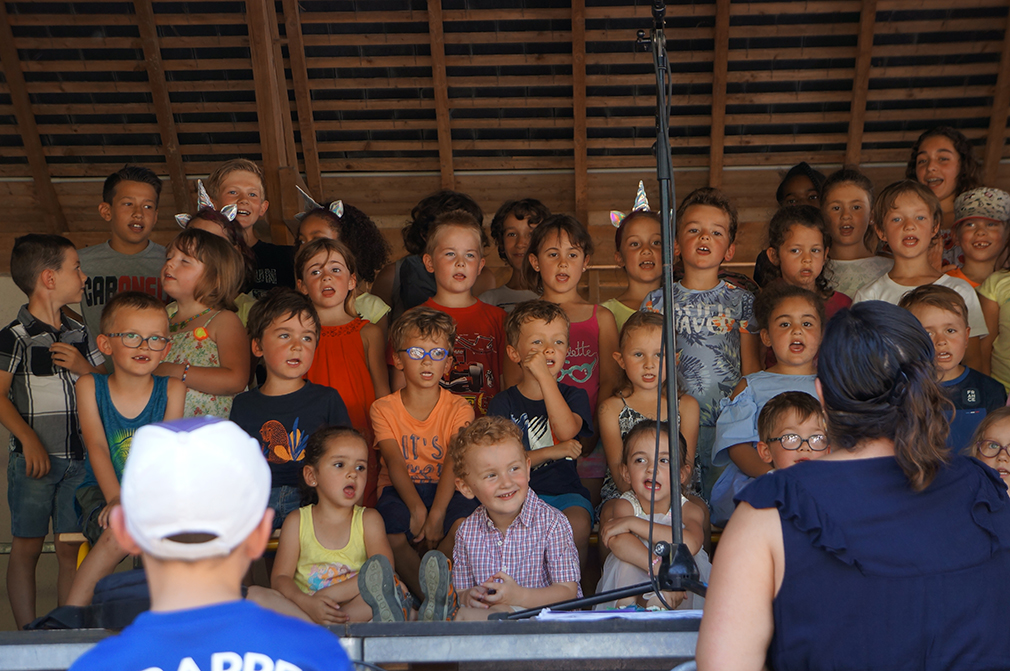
[239, 182]
[454, 253]
[42, 354]
[551, 416]
[717, 339]
[944, 314]
[128, 260]
[791, 428]
[286, 409]
[515, 551]
[413, 428]
[135, 335]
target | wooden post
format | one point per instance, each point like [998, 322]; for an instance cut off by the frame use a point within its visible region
[55, 220]
[861, 82]
[720, 73]
[271, 107]
[998, 117]
[579, 144]
[441, 90]
[162, 104]
[303, 99]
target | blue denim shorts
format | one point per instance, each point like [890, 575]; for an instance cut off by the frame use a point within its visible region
[396, 515]
[35, 501]
[284, 500]
[563, 501]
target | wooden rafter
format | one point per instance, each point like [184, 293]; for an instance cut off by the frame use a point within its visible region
[579, 110]
[270, 109]
[162, 104]
[303, 98]
[720, 73]
[861, 82]
[56, 221]
[998, 116]
[441, 86]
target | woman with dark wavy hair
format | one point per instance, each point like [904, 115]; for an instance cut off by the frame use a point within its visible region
[889, 553]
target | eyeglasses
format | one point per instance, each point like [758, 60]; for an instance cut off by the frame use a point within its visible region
[790, 441]
[133, 340]
[991, 449]
[418, 353]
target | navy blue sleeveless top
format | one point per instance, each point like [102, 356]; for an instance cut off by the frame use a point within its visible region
[878, 576]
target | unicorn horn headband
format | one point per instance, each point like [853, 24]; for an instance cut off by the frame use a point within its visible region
[641, 205]
[203, 202]
[309, 204]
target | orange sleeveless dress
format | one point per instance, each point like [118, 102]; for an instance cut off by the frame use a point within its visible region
[340, 363]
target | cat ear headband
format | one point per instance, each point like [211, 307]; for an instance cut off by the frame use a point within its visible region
[203, 202]
[641, 204]
[309, 204]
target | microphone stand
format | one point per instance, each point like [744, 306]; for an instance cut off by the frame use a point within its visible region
[677, 569]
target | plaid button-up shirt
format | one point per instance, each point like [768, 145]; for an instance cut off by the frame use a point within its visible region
[42, 392]
[536, 551]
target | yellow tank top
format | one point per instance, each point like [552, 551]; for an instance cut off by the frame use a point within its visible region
[320, 567]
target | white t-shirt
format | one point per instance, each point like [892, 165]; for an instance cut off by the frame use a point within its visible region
[506, 298]
[886, 289]
[848, 277]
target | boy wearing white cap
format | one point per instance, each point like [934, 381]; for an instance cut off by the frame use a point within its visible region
[194, 505]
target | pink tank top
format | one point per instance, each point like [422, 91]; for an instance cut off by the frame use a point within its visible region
[582, 365]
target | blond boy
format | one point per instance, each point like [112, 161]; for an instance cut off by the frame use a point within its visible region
[239, 182]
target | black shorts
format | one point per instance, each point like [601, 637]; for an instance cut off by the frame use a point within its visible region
[396, 515]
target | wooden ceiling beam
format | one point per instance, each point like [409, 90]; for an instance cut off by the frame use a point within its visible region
[271, 108]
[998, 117]
[720, 74]
[162, 104]
[441, 91]
[303, 98]
[579, 111]
[55, 219]
[861, 82]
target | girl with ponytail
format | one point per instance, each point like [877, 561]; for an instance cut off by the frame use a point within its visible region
[891, 534]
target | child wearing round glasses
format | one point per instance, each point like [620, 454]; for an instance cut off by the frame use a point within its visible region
[413, 427]
[991, 444]
[791, 427]
[135, 336]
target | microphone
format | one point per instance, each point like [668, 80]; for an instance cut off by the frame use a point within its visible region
[659, 15]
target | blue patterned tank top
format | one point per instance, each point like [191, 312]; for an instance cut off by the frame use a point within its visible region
[119, 430]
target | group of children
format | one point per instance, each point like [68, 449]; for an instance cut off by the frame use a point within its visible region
[435, 418]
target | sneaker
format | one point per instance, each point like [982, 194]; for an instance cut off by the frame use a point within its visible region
[381, 590]
[436, 582]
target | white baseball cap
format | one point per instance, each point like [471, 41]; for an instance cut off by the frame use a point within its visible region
[199, 475]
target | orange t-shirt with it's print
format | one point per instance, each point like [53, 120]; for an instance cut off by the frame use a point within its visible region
[423, 443]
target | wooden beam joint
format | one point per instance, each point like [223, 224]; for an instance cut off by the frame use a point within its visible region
[162, 104]
[998, 117]
[861, 83]
[55, 220]
[579, 136]
[720, 74]
[441, 90]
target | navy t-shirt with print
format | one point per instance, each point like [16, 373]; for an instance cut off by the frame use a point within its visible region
[283, 424]
[554, 477]
[974, 395]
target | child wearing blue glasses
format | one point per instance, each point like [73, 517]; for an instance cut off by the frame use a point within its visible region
[413, 427]
[551, 415]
